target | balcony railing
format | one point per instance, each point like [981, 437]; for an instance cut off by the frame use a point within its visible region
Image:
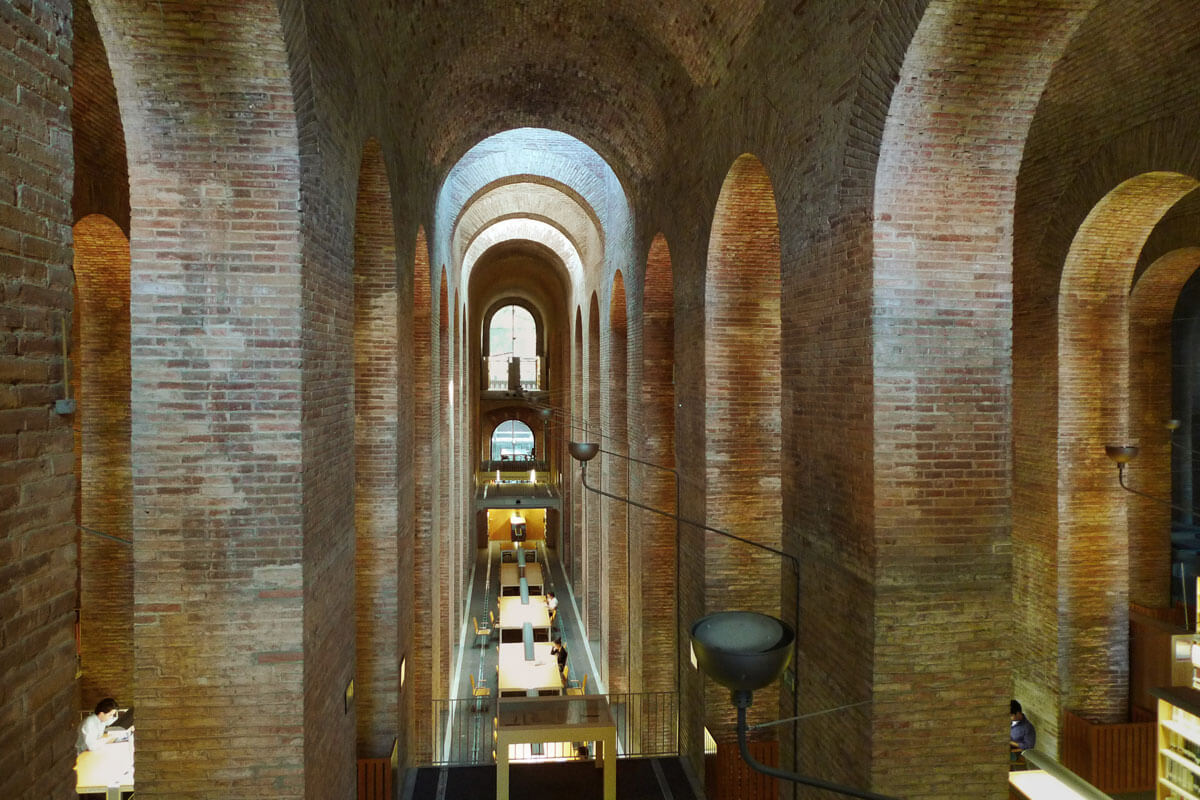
[504, 371]
[647, 725]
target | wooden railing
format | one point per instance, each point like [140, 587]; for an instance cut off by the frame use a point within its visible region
[734, 780]
[374, 779]
[1114, 758]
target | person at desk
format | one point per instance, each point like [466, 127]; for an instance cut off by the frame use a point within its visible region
[552, 605]
[1021, 735]
[91, 732]
[560, 650]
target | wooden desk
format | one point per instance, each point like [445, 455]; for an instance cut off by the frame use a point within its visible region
[517, 674]
[1038, 785]
[557, 719]
[510, 575]
[533, 574]
[108, 770]
[514, 615]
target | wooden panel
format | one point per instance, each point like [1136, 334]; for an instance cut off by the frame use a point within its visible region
[374, 779]
[1113, 758]
[735, 780]
[1151, 652]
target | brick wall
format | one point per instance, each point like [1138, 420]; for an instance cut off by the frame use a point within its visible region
[742, 415]
[376, 435]
[591, 590]
[1152, 305]
[100, 361]
[421, 650]
[617, 620]
[37, 485]
[217, 392]
[654, 568]
[101, 175]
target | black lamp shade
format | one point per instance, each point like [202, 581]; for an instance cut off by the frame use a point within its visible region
[742, 649]
[583, 451]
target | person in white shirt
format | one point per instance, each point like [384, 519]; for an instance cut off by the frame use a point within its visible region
[552, 604]
[91, 732]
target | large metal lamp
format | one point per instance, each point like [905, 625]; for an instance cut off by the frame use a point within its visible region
[744, 651]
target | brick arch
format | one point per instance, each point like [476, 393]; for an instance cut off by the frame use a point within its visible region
[742, 401]
[511, 300]
[593, 532]
[204, 329]
[558, 247]
[578, 413]
[376, 415]
[1152, 305]
[104, 492]
[653, 543]
[1094, 410]
[459, 468]
[498, 416]
[421, 648]
[441, 564]
[615, 542]
[942, 239]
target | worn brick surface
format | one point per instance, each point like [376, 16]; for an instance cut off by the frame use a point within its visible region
[935, 413]
[100, 361]
[38, 560]
[376, 464]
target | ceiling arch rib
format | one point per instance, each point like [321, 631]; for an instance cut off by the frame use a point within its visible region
[553, 204]
[528, 230]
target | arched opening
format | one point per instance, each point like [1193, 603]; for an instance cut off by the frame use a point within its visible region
[593, 574]
[512, 349]
[742, 397]
[1094, 409]
[615, 544]
[653, 542]
[421, 651]
[578, 413]
[442, 516]
[512, 440]
[376, 463]
[104, 500]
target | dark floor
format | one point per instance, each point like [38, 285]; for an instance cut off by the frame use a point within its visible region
[637, 779]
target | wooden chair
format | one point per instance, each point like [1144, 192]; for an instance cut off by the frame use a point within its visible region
[478, 692]
[495, 627]
[580, 689]
[481, 633]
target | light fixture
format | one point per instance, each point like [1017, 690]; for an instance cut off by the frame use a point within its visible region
[1122, 454]
[744, 651]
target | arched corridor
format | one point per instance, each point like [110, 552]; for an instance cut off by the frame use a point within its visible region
[304, 303]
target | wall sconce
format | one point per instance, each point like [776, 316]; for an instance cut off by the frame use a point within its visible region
[744, 651]
[1122, 454]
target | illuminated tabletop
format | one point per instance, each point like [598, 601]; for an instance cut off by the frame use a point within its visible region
[540, 674]
[107, 771]
[532, 720]
[514, 614]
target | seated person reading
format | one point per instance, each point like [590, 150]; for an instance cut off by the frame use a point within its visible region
[91, 732]
[1021, 735]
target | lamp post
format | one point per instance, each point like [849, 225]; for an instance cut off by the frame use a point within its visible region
[744, 651]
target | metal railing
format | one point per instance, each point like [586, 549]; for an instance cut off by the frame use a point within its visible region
[463, 730]
[528, 372]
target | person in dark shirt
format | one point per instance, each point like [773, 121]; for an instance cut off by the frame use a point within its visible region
[560, 650]
[1021, 735]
